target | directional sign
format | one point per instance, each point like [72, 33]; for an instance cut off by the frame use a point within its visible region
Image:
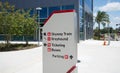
[60, 43]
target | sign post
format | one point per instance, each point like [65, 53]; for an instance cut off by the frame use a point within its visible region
[60, 42]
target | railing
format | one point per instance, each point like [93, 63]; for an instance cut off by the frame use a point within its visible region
[18, 38]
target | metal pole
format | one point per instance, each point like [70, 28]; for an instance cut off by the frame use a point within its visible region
[38, 9]
[36, 34]
[85, 30]
[118, 32]
[108, 34]
[38, 28]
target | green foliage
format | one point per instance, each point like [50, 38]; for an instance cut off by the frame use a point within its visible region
[15, 47]
[103, 31]
[102, 18]
[16, 22]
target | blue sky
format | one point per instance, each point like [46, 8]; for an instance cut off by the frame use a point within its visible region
[112, 7]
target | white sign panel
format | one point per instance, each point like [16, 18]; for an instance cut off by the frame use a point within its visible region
[60, 43]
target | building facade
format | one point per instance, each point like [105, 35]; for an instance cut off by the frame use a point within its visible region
[83, 8]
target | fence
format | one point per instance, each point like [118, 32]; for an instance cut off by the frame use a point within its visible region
[18, 38]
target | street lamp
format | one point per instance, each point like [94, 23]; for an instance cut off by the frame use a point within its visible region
[118, 29]
[38, 18]
[108, 33]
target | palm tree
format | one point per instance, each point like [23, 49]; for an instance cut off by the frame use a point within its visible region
[101, 18]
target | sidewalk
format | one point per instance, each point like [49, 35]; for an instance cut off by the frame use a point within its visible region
[94, 57]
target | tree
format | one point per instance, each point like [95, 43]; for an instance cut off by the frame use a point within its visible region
[28, 24]
[24, 24]
[16, 22]
[101, 18]
[1, 21]
[6, 17]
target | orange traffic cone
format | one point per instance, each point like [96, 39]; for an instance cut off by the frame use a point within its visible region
[104, 43]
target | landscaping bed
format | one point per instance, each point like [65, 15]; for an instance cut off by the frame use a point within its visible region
[16, 47]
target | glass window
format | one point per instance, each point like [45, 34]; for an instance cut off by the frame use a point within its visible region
[67, 7]
[51, 9]
[81, 2]
[89, 3]
[81, 27]
[42, 20]
[81, 13]
[31, 12]
[43, 13]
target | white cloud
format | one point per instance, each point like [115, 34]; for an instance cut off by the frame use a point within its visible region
[117, 18]
[114, 20]
[114, 6]
[95, 11]
[95, 14]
